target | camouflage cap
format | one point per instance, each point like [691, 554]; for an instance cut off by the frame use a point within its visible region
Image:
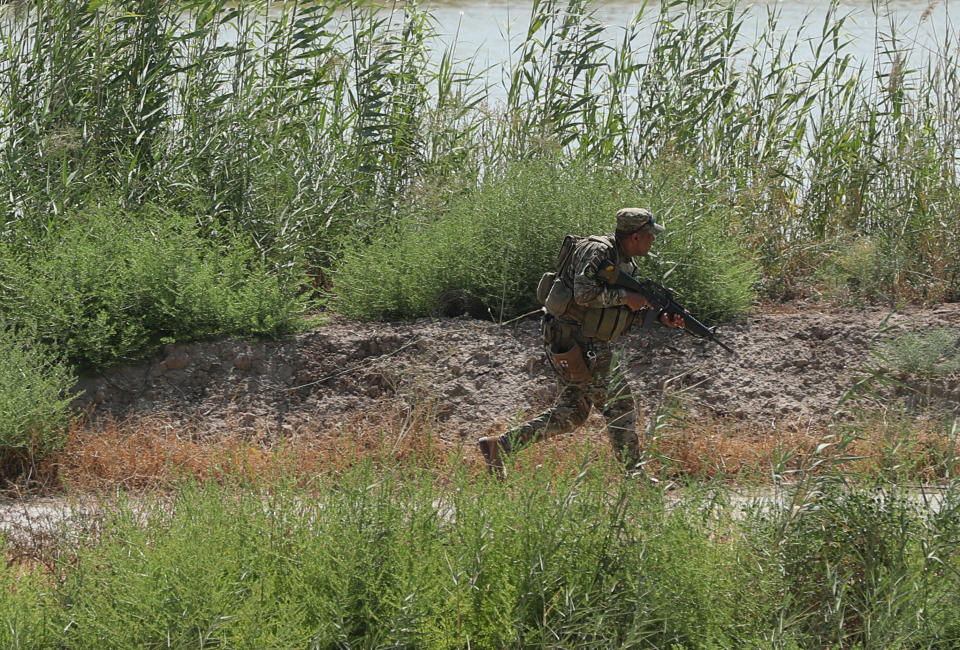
[636, 219]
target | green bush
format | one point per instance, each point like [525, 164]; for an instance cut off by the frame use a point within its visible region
[934, 353]
[34, 407]
[490, 246]
[392, 559]
[22, 605]
[109, 286]
[865, 568]
[860, 270]
[401, 557]
[699, 256]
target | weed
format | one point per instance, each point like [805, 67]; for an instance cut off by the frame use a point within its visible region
[34, 402]
[922, 354]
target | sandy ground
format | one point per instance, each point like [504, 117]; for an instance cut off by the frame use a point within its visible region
[792, 362]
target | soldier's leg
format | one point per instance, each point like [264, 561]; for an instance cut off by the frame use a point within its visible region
[620, 413]
[570, 411]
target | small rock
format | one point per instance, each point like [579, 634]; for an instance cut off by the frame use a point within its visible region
[174, 363]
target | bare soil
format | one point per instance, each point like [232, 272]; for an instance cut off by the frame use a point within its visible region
[792, 362]
[207, 407]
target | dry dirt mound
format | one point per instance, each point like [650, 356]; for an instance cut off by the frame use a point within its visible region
[791, 362]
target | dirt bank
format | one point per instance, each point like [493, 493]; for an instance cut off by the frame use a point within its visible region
[792, 362]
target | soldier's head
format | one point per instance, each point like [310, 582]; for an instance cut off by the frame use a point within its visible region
[636, 230]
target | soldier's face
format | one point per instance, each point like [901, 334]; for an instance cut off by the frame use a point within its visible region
[639, 243]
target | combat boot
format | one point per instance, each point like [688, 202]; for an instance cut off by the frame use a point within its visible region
[493, 452]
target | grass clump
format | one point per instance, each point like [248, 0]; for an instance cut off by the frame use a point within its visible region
[922, 354]
[700, 255]
[489, 247]
[490, 244]
[859, 271]
[555, 556]
[109, 286]
[866, 567]
[34, 407]
[376, 558]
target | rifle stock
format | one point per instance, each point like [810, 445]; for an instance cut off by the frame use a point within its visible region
[662, 300]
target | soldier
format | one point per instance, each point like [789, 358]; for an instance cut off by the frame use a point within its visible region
[584, 316]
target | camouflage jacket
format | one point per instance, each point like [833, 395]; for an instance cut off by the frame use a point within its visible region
[589, 291]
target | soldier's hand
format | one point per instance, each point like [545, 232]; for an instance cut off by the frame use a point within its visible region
[636, 301]
[673, 321]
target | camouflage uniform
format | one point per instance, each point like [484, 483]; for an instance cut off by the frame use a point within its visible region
[606, 388]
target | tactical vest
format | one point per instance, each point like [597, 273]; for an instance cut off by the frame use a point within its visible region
[555, 293]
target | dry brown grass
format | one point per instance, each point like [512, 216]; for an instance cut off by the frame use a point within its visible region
[147, 453]
[915, 449]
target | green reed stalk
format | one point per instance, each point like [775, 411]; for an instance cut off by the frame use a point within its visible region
[309, 126]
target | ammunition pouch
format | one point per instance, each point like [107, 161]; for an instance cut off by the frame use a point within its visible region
[606, 324]
[543, 289]
[569, 363]
[554, 294]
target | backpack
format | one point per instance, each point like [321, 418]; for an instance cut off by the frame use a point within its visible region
[552, 292]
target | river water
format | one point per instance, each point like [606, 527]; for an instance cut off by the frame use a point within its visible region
[488, 30]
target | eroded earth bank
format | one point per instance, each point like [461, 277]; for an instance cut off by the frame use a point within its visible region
[792, 362]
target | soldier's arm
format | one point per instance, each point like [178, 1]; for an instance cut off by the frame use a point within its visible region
[589, 290]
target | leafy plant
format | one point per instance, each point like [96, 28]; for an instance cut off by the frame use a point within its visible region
[859, 565]
[924, 354]
[404, 556]
[34, 399]
[700, 255]
[109, 287]
[494, 243]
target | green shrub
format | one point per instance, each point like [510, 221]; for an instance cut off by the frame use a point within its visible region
[401, 557]
[869, 568]
[933, 353]
[110, 286]
[491, 246]
[699, 256]
[34, 407]
[859, 270]
[21, 606]
[389, 558]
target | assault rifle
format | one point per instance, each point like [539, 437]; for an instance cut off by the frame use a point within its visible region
[662, 300]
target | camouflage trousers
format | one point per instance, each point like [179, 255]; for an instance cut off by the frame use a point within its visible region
[606, 390]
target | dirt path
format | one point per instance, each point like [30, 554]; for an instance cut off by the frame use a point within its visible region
[792, 362]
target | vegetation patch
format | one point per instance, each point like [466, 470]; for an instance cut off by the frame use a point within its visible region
[493, 244]
[34, 406]
[590, 560]
[109, 286]
[923, 354]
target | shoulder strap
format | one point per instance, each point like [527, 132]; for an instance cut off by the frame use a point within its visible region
[566, 251]
[607, 240]
[570, 243]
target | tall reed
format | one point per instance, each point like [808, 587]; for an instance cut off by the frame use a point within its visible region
[310, 126]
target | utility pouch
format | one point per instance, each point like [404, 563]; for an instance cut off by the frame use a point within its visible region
[559, 297]
[570, 363]
[606, 324]
[543, 289]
